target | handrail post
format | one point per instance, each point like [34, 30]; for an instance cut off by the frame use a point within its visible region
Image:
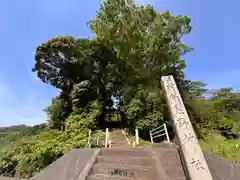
[166, 131]
[106, 138]
[134, 144]
[89, 138]
[110, 143]
[151, 137]
[97, 141]
[137, 136]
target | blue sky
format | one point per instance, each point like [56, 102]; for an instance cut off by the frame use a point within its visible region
[25, 24]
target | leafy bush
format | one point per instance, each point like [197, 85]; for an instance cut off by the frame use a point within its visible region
[145, 111]
[27, 157]
[30, 155]
[228, 149]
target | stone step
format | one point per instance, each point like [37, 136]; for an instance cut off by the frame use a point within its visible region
[118, 142]
[121, 145]
[170, 162]
[117, 135]
[10, 178]
[117, 138]
[106, 177]
[165, 145]
[116, 132]
[133, 152]
[143, 173]
[126, 160]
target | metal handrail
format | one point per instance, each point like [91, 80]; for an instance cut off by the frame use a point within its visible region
[158, 135]
[154, 134]
[157, 128]
[106, 139]
[125, 135]
[98, 140]
[158, 131]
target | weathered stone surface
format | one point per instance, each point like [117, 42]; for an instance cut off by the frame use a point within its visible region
[9, 178]
[141, 161]
[118, 139]
[106, 177]
[125, 164]
[142, 173]
[68, 167]
[222, 169]
[134, 152]
[165, 145]
[169, 161]
[194, 161]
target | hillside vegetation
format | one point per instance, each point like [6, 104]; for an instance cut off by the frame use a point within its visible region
[134, 46]
[9, 135]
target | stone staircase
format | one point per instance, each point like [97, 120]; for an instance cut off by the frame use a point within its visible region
[124, 164]
[118, 139]
[160, 162]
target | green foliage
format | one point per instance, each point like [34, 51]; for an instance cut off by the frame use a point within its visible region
[147, 43]
[228, 149]
[83, 119]
[213, 114]
[58, 60]
[23, 130]
[236, 128]
[54, 113]
[29, 156]
[115, 118]
[10, 135]
[145, 111]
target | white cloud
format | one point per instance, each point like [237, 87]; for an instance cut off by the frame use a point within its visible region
[224, 79]
[21, 108]
[29, 115]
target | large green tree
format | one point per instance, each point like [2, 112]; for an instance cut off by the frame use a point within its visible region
[62, 62]
[147, 45]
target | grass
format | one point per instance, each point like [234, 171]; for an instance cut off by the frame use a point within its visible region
[3, 146]
[229, 149]
[142, 143]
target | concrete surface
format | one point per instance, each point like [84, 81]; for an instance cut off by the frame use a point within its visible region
[68, 167]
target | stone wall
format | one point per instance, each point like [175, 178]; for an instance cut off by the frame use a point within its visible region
[71, 166]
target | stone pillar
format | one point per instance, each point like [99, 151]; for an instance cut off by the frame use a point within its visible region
[191, 152]
[137, 136]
